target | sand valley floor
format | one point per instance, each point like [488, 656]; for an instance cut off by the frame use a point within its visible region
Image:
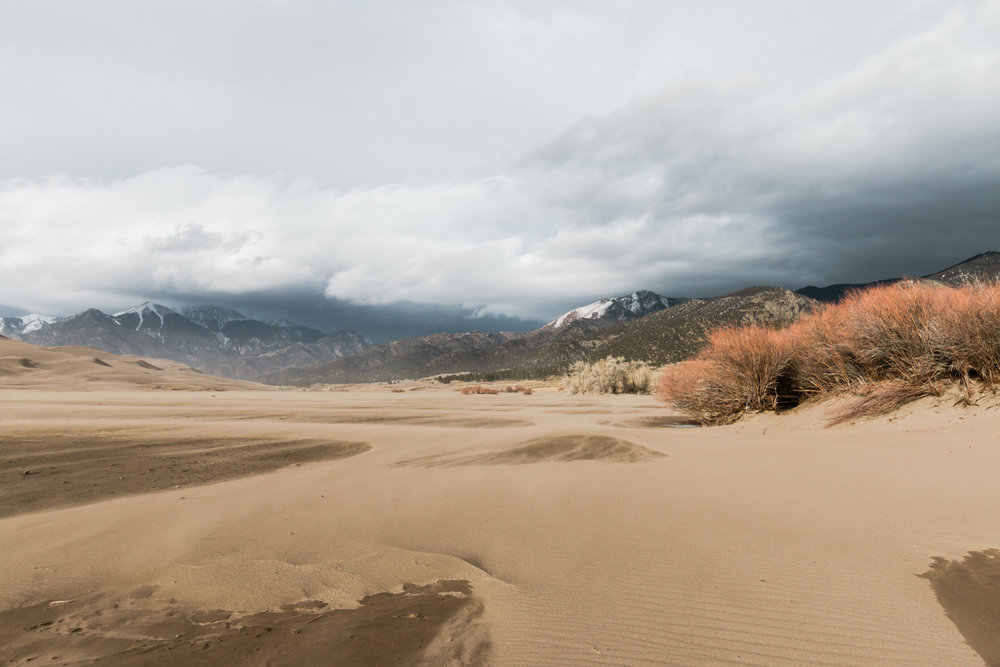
[429, 527]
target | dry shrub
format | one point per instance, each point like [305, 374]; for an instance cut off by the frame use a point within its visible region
[612, 375]
[742, 370]
[518, 388]
[914, 333]
[827, 360]
[890, 332]
[478, 389]
[751, 365]
[691, 387]
[888, 344]
[970, 325]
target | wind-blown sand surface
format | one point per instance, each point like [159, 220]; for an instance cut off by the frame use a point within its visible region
[509, 529]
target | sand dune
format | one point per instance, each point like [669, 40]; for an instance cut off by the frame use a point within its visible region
[27, 366]
[562, 539]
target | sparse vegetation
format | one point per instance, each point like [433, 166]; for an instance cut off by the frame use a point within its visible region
[612, 375]
[503, 374]
[478, 389]
[509, 389]
[742, 370]
[887, 345]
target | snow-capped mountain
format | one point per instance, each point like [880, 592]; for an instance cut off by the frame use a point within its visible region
[231, 344]
[159, 321]
[150, 314]
[617, 309]
[16, 326]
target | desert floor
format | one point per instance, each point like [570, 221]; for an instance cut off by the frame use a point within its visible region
[370, 527]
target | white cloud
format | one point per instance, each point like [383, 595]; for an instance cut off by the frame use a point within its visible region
[708, 184]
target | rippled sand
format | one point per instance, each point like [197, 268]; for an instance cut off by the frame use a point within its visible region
[431, 527]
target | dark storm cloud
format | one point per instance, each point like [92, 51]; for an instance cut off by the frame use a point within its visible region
[11, 311]
[891, 169]
[915, 229]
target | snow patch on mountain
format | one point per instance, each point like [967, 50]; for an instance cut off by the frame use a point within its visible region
[144, 310]
[591, 311]
[25, 324]
[34, 322]
[617, 309]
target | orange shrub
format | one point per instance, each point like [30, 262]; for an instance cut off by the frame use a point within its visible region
[741, 370]
[517, 388]
[970, 333]
[478, 389]
[691, 387]
[752, 362]
[890, 344]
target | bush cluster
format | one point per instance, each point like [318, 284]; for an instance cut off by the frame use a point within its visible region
[612, 375]
[524, 373]
[509, 389]
[886, 345]
[477, 389]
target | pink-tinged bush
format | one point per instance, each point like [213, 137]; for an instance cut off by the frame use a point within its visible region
[888, 345]
[742, 370]
[517, 388]
[691, 386]
[478, 389]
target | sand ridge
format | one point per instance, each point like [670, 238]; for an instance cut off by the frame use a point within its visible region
[565, 448]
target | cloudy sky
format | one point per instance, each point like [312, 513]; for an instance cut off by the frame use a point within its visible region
[402, 167]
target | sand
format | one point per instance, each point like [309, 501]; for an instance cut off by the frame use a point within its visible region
[437, 528]
[26, 366]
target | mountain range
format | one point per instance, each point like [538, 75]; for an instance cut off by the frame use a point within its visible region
[985, 266]
[642, 325]
[664, 335]
[214, 340]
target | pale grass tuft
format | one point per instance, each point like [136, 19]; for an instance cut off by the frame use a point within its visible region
[612, 375]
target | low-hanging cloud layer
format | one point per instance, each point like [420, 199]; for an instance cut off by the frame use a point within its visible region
[881, 158]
